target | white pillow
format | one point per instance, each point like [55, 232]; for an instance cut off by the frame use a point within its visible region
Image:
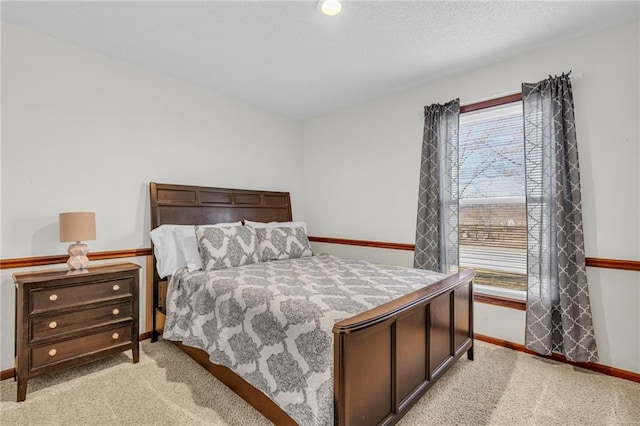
[176, 246]
[258, 225]
[188, 254]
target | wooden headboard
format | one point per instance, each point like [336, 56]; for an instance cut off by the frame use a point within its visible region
[200, 205]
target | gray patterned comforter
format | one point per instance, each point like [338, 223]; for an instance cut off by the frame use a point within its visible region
[271, 322]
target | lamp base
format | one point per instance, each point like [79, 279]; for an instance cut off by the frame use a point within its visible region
[78, 256]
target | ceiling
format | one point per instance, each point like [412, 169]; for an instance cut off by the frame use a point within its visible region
[289, 58]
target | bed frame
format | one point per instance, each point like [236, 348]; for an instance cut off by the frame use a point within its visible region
[385, 359]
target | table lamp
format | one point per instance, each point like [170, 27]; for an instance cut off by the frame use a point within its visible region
[78, 227]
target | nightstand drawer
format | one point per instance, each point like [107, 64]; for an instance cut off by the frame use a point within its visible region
[44, 327]
[68, 349]
[56, 298]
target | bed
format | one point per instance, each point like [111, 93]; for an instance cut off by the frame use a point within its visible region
[384, 359]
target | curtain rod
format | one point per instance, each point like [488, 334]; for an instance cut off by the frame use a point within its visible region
[573, 76]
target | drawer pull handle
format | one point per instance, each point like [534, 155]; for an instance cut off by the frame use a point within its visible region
[116, 287]
[53, 324]
[52, 352]
[116, 311]
[53, 297]
[115, 336]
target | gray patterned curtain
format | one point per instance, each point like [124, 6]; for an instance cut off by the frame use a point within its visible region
[558, 309]
[437, 224]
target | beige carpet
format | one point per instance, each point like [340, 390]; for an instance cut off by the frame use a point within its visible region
[501, 387]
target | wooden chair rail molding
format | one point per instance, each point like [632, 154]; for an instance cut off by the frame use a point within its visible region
[26, 262]
[627, 265]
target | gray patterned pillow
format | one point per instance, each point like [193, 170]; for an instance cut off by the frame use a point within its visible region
[226, 247]
[282, 243]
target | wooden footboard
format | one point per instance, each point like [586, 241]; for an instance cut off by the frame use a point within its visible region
[387, 358]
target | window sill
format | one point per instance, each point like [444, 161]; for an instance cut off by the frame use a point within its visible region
[505, 302]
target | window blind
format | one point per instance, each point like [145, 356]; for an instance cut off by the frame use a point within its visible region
[493, 233]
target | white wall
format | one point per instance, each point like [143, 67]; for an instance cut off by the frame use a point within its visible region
[361, 171]
[359, 174]
[638, 163]
[81, 131]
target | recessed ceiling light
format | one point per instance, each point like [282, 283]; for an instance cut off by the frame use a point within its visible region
[330, 7]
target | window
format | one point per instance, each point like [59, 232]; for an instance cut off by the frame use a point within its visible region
[492, 216]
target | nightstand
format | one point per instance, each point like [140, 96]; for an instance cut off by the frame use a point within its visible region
[66, 318]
